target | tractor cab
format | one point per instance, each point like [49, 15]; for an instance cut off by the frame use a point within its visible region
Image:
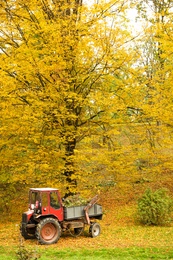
[46, 201]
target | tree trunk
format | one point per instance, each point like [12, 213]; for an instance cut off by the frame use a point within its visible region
[69, 172]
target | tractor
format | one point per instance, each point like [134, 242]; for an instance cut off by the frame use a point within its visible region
[47, 217]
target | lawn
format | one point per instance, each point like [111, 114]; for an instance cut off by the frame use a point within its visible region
[121, 238]
[118, 240]
[86, 254]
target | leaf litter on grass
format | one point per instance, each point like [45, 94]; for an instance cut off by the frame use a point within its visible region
[120, 235]
[114, 234]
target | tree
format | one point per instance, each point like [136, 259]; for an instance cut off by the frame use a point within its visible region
[155, 77]
[62, 69]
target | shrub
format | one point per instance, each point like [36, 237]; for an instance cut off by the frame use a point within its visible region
[24, 253]
[155, 208]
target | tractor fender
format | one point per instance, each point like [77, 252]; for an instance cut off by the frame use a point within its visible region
[39, 217]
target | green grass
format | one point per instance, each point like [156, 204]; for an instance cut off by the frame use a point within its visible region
[124, 254]
[135, 253]
[6, 254]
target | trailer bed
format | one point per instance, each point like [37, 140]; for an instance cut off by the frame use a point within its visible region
[77, 212]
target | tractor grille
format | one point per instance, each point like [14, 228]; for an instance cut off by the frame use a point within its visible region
[24, 218]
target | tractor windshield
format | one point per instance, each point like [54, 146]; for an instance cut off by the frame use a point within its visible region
[35, 196]
[34, 199]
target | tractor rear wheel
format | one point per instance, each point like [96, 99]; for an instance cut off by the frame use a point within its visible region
[95, 229]
[48, 231]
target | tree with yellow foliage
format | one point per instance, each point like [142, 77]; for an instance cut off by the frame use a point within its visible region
[154, 82]
[64, 67]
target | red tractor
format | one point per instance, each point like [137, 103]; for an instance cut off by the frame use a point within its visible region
[47, 218]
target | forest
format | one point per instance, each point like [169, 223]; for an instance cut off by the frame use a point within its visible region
[86, 96]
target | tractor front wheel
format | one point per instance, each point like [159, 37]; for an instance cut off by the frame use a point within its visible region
[48, 231]
[27, 233]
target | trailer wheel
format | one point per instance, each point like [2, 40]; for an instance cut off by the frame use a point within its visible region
[95, 229]
[48, 231]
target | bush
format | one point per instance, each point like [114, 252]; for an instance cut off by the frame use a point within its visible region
[155, 208]
[24, 253]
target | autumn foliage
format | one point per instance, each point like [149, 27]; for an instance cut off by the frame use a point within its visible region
[86, 101]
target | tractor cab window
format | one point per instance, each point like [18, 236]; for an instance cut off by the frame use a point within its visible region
[44, 198]
[35, 196]
[54, 202]
[35, 201]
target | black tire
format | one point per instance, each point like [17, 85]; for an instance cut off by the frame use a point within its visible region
[95, 229]
[75, 232]
[78, 231]
[27, 234]
[48, 231]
